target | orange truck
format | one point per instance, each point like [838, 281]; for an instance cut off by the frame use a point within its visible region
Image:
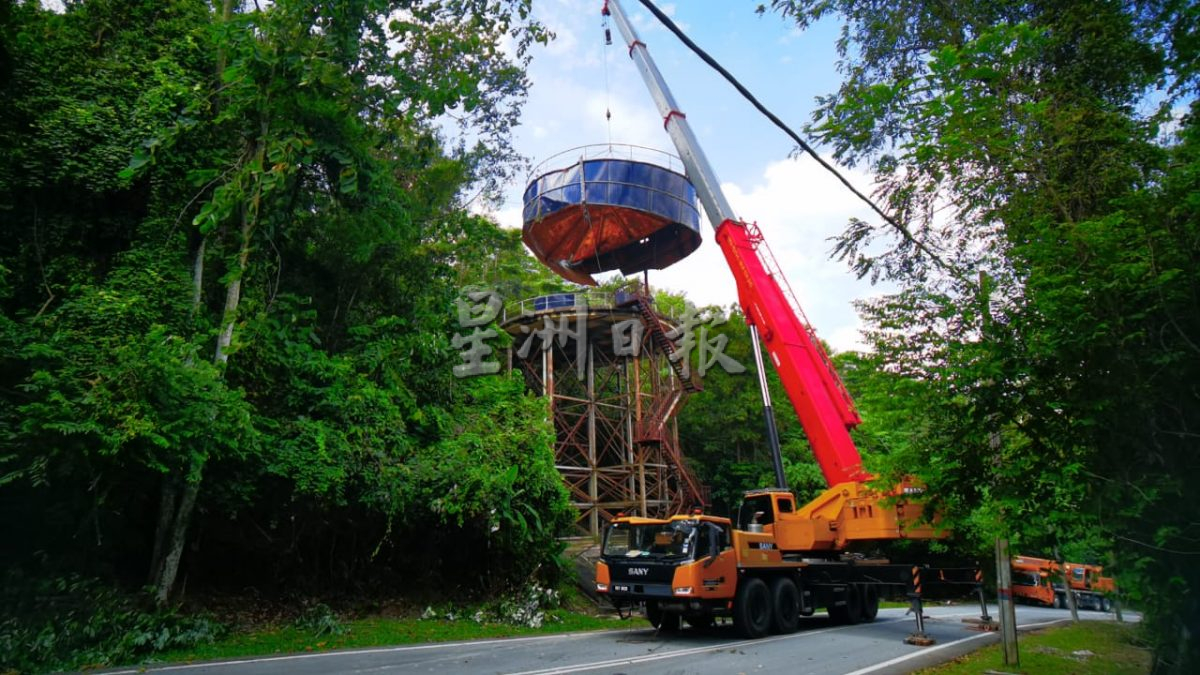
[1039, 581]
[777, 563]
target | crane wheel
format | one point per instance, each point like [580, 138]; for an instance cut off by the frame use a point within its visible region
[752, 608]
[850, 611]
[785, 606]
[870, 604]
[667, 622]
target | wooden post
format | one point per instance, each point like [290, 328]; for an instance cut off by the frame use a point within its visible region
[1116, 596]
[1008, 613]
[1071, 604]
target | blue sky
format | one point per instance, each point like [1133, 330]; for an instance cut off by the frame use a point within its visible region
[797, 204]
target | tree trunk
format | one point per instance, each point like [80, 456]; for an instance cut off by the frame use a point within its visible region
[198, 275]
[1069, 595]
[179, 525]
[179, 492]
[233, 294]
[182, 517]
[166, 516]
[1071, 599]
[172, 483]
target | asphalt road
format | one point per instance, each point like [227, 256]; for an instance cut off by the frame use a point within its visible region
[819, 648]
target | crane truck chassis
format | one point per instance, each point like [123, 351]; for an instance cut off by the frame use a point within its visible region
[698, 567]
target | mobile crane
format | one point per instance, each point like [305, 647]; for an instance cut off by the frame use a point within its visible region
[1039, 581]
[780, 560]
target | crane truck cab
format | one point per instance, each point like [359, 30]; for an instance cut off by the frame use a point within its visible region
[683, 567]
[1031, 580]
[1090, 586]
[697, 567]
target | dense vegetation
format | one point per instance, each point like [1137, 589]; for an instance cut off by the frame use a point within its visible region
[721, 429]
[1039, 363]
[233, 240]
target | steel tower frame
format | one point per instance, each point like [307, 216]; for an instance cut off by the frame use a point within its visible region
[614, 415]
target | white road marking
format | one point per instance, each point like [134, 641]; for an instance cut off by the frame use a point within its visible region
[569, 636]
[634, 660]
[343, 652]
[926, 650]
[923, 652]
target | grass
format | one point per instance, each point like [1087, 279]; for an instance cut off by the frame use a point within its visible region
[1051, 651]
[1060, 651]
[292, 637]
[376, 632]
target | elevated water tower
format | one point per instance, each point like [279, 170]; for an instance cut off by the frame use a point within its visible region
[607, 368]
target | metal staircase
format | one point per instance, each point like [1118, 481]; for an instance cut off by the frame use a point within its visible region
[658, 333]
[653, 430]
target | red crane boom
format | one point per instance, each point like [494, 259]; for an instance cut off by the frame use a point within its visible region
[814, 388]
[817, 393]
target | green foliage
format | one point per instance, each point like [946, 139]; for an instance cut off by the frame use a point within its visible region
[529, 607]
[73, 622]
[1040, 353]
[492, 476]
[380, 631]
[108, 381]
[320, 620]
[722, 431]
[495, 258]
[240, 288]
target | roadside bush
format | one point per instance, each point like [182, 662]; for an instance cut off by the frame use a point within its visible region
[320, 620]
[527, 606]
[74, 622]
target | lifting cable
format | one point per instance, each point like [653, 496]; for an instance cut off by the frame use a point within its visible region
[607, 95]
[900, 227]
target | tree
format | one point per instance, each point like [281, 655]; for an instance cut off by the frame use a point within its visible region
[1047, 305]
[311, 95]
[240, 238]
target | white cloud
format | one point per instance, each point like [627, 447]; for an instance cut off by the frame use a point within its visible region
[798, 206]
[644, 22]
[509, 216]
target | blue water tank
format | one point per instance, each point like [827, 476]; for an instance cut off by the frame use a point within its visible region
[604, 214]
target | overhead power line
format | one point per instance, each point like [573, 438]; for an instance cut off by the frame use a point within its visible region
[704, 56]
